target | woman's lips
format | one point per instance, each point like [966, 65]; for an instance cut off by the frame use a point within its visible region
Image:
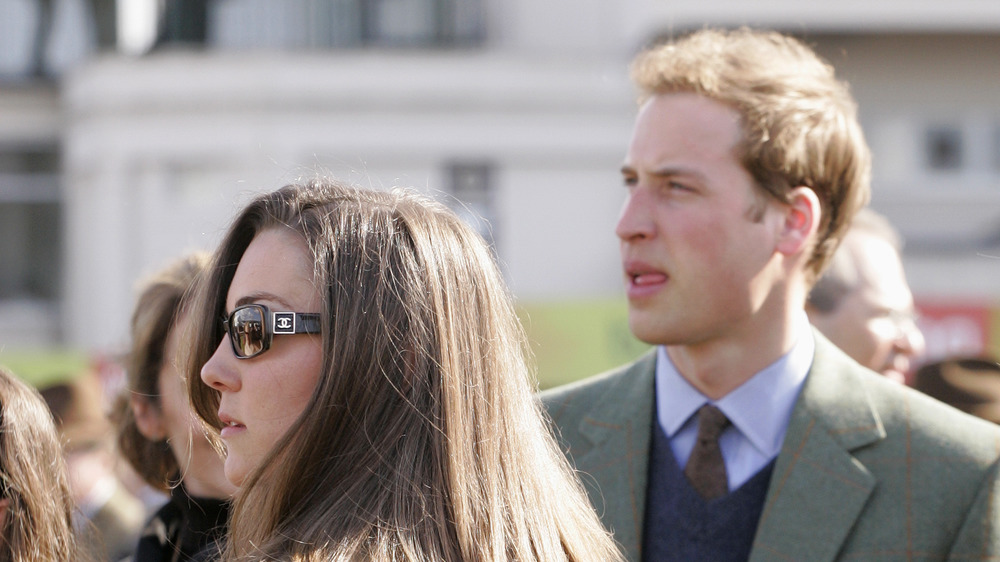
[230, 426]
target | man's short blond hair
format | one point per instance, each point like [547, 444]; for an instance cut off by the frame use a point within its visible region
[799, 122]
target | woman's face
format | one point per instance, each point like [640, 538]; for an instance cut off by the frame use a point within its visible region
[201, 467]
[261, 397]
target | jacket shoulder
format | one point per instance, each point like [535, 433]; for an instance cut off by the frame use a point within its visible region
[932, 427]
[856, 404]
[617, 383]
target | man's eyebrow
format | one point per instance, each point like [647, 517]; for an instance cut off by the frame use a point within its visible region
[666, 171]
[677, 171]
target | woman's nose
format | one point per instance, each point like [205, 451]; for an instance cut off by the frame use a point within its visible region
[220, 371]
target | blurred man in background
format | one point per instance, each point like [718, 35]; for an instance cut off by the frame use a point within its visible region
[863, 303]
[111, 516]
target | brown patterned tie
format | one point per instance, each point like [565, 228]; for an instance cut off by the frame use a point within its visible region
[705, 469]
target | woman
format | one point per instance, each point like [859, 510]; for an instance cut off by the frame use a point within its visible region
[370, 385]
[36, 505]
[157, 431]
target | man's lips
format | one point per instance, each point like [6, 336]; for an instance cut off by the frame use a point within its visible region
[643, 279]
[648, 278]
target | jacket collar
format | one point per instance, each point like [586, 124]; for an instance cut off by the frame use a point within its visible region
[819, 488]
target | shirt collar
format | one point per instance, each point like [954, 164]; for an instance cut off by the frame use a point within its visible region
[759, 408]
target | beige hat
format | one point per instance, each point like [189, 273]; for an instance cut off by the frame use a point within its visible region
[971, 384]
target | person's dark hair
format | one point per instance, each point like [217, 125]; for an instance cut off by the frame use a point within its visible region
[423, 439]
[38, 524]
[841, 277]
[160, 302]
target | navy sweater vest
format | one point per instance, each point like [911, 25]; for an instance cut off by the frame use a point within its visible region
[680, 525]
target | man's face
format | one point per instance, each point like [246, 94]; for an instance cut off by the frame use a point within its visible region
[699, 266]
[874, 323]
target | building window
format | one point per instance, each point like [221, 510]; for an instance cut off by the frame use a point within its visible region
[40, 39]
[30, 225]
[29, 251]
[996, 147]
[422, 22]
[184, 22]
[471, 186]
[943, 148]
[345, 23]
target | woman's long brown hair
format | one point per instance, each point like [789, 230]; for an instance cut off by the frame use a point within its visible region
[423, 440]
[38, 523]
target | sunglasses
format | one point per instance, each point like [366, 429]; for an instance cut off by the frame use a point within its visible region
[252, 326]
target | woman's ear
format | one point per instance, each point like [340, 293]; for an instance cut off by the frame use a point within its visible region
[801, 221]
[148, 418]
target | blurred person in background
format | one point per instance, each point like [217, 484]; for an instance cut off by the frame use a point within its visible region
[863, 303]
[36, 504]
[110, 516]
[361, 359]
[158, 432]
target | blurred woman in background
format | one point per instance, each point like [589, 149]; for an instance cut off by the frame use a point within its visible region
[157, 431]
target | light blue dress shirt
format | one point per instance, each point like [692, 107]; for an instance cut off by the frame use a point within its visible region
[759, 409]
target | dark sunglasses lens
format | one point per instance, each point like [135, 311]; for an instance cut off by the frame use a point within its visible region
[247, 330]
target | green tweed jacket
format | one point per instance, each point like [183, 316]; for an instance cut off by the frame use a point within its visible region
[869, 470]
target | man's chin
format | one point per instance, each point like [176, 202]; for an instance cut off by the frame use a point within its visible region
[643, 329]
[653, 333]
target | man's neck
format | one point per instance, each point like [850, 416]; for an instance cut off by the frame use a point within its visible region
[719, 366]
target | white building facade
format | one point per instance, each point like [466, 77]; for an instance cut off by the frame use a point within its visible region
[520, 109]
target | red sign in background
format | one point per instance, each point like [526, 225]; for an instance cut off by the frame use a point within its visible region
[956, 329]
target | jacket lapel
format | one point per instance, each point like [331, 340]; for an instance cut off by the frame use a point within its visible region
[619, 432]
[819, 489]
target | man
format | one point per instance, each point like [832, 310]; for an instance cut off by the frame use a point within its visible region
[862, 302]
[745, 433]
[109, 517]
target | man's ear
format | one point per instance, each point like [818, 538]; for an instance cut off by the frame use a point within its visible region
[148, 418]
[801, 221]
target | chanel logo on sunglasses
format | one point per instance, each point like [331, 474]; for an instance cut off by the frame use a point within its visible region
[252, 326]
[284, 322]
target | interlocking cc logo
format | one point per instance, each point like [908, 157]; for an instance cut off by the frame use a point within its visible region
[284, 322]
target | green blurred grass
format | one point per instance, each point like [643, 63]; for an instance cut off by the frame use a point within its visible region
[574, 339]
[42, 367]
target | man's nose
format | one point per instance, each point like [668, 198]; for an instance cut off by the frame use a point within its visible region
[911, 339]
[634, 221]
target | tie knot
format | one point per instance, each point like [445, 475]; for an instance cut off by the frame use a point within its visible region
[711, 422]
